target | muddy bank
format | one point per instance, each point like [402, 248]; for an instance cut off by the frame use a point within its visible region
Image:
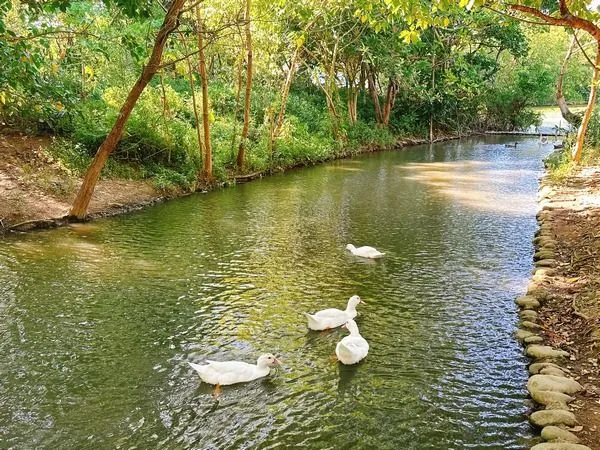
[36, 187]
[560, 315]
[36, 191]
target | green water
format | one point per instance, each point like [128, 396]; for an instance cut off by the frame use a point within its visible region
[97, 321]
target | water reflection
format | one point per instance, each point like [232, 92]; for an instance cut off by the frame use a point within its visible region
[98, 321]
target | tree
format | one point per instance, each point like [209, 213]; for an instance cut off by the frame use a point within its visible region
[208, 163]
[576, 16]
[567, 114]
[82, 200]
[248, 35]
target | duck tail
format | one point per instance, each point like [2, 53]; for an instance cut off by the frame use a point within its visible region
[197, 367]
[313, 323]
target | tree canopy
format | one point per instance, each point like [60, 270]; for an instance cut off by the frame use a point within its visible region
[249, 86]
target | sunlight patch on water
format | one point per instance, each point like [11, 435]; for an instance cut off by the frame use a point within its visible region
[475, 185]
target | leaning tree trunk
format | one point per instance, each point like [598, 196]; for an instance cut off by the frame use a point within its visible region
[242, 150]
[569, 20]
[578, 150]
[285, 91]
[82, 201]
[568, 115]
[208, 172]
[276, 128]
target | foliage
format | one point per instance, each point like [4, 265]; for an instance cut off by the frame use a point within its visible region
[70, 64]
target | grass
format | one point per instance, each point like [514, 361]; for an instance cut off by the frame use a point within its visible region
[560, 166]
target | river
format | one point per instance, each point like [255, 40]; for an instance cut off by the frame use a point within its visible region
[97, 321]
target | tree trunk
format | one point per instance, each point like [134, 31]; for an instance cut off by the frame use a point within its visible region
[568, 115]
[390, 99]
[276, 128]
[352, 102]
[208, 172]
[285, 91]
[238, 91]
[242, 149]
[82, 201]
[374, 95]
[578, 150]
[194, 104]
[431, 97]
[329, 89]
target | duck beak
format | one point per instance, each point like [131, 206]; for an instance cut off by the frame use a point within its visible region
[344, 326]
[277, 361]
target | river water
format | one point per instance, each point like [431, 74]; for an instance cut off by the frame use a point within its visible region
[97, 321]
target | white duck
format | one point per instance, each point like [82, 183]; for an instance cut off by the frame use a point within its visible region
[332, 317]
[365, 251]
[353, 348]
[232, 372]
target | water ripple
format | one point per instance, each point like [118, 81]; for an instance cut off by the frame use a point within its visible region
[97, 322]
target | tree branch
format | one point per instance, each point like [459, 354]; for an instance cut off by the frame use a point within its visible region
[49, 32]
[583, 51]
[502, 13]
[566, 19]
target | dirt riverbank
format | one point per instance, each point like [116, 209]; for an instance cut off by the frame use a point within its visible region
[36, 190]
[566, 319]
[34, 186]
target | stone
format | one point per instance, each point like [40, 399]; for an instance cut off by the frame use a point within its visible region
[554, 383]
[548, 246]
[545, 240]
[522, 334]
[545, 352]
[544, 254]
[551, 400]
[556, 434]
[530, 325]
[551, 390]
[545, 192]
[533, 340]
[543, 216]
[538, 277]
[553, 417]
[559, 446]
[546, 263]
[527, 302]
[528, 314]
[535, 290]
[553, 371]
[543, 272]
[539, 366]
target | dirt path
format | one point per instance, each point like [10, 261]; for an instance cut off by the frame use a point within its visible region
[34, 186]
[570, 314]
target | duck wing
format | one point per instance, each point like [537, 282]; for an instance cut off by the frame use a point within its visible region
[367, 249]
[369, 252]
[328, 313]
[225, 372]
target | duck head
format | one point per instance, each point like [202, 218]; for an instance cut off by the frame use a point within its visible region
[267, 360]
[350, 247]
[353, 303]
